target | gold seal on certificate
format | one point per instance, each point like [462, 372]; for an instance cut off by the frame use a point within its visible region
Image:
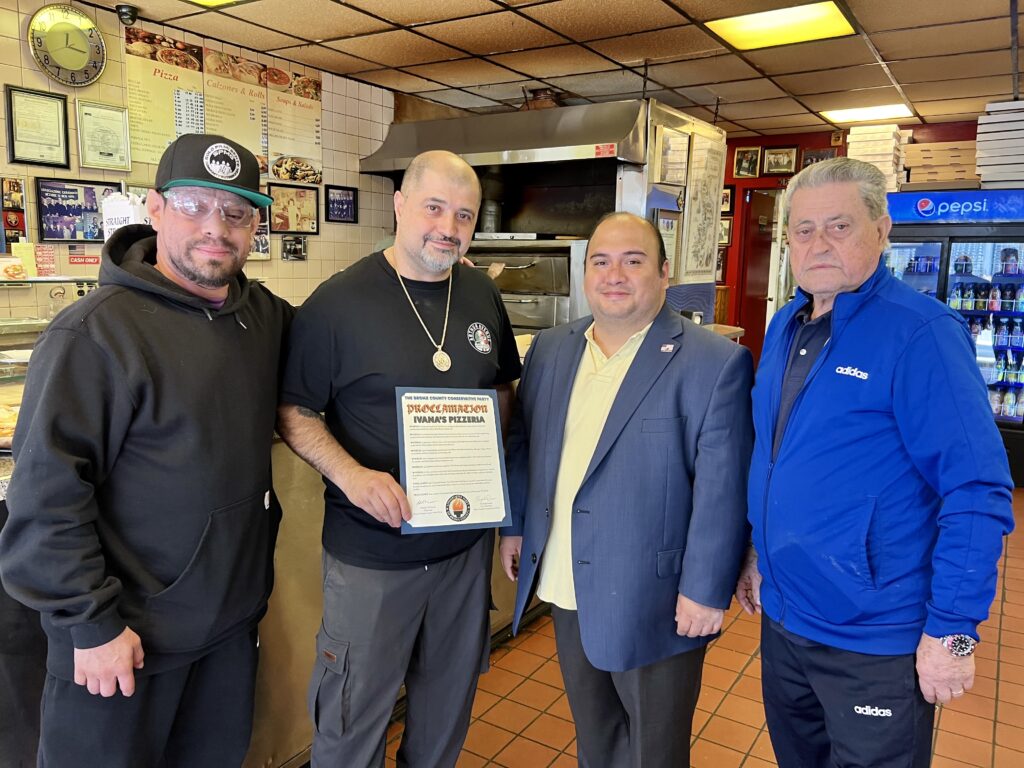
[452, 462]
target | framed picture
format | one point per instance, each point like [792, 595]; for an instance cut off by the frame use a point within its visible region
[103, 136]
[720, 265]
[293, 248]
[37, 127]
[746, 163]
[779, 161]
[342, 204]
[14, 193]
[295, 210]
[725, 231]
[727, 194]
[260, 249]
[69, 210]
[811, 156]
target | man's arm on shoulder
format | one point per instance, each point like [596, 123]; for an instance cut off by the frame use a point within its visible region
[718, 524]
[376, 493]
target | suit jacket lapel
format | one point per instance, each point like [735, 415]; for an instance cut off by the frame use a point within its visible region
[647, 366]
[563, 376]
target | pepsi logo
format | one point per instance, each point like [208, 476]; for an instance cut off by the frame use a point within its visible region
[925, 208]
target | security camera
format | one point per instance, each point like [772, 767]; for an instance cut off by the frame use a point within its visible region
[128, 14]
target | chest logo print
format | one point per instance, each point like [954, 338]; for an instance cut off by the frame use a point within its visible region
[848, 370]
[479, 336]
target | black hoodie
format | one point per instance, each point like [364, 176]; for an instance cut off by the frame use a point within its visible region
[141, 493]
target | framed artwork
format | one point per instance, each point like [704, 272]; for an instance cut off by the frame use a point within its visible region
[746, 163]
[342, 204]
[103, 136]
[37, 127]
[69, 209]
[295, 210]
[725, 231]
[728, 191]
[720, 265]
[260, 249]
[779, 161]
[811, 156]
[293, 248]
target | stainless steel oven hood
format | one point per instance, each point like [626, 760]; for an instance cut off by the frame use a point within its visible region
[616, 130]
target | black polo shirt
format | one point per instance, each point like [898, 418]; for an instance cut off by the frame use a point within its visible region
[810, 338]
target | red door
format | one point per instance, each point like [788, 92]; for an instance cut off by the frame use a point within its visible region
[757, 251]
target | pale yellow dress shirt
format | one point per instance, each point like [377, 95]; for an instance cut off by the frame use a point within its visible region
[598, 379]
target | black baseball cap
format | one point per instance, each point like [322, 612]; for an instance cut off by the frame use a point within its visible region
[208, 160]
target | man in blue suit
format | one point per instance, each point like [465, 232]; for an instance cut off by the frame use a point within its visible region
[627, 469]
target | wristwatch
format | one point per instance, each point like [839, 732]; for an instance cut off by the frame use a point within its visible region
[959, 645]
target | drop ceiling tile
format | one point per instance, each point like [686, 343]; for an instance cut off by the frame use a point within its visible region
[958, 106]
[322, 58]
[331, 20]
[505, 91]
[660, 45]
[634, 96]
[398, 81]
[464, 72]
[844, 79]
[943, 40]
[152, 10]
[553, 62]
[868, 97]
[491, 110]
[570, 102]
[963, 88]
[221, 27]
[714, 69]
[708, 10]
[801, 129]
[419, 11]
[587, 20]
[769, 108]
[950, 67]
[493, 33]
[808, 57]
[399, 48]
[801, 120]
[879, 15]
[742, 134]
[454, 98]
[598, 83]
[742, 90]
[671, 98]
[968, 117]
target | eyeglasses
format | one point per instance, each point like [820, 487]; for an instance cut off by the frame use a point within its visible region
[198, 207]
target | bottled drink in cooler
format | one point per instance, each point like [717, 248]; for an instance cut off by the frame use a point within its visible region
[1001, 367]
[1003, 333]
[995, 399]
[967, 296]
[994, 299]
[1020, 301]
[1010, 404]
[1017, 334]
[1009, 298]
[1012, 367]
[981, 296]
[975, 326]
[954, 297]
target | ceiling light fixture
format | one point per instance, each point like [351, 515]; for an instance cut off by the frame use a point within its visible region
[867, 114]
[817, 21]
[213, 3]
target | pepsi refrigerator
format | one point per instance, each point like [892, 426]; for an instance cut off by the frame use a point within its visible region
[966, 248]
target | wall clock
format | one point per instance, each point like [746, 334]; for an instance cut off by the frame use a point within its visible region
[66, 45]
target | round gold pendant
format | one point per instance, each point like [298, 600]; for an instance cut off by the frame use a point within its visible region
[442, 361]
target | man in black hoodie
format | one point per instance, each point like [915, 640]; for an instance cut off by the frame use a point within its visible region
[142, 519]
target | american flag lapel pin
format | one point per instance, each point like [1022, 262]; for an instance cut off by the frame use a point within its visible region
[667, 347]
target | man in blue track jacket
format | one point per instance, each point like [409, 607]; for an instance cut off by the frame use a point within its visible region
[879, 492]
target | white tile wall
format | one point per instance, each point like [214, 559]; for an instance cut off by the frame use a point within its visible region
[356, 117]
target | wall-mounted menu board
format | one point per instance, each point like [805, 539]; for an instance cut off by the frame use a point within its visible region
[235, 91]
[165, 92]
[296, 151]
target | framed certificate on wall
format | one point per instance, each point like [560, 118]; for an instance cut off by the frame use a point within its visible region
[37, 127]
[103, 136]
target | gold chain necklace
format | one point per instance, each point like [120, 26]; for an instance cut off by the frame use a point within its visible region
[441, 359]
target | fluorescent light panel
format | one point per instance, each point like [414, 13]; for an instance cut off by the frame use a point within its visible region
[817, 21]
[867, 114]
[213, 3]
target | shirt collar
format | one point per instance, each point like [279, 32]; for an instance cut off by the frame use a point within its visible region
[628, 348]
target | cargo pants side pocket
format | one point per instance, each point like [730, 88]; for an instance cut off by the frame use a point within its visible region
[329, 697]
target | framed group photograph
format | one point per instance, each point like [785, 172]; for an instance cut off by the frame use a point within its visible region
[103, 136]
[779, 161]
[295, 210]
[746, 163]
[69, 209]
[37, 127]
[811, 156]
[725, 231]
[727, 199]
[342, 204]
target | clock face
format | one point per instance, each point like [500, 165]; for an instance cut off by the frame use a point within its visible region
[67, 45]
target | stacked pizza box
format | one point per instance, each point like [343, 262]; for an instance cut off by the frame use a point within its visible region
[1000, 148]
[941, 165]
[880, 146]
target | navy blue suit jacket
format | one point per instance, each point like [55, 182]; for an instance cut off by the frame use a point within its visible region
[662, 506]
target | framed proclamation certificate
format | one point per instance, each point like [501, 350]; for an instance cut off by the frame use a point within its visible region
[103, 136]
[452, 460]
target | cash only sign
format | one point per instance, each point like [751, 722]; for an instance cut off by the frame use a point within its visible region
[452, 461]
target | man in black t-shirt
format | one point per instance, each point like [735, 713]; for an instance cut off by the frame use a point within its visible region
[396, 608]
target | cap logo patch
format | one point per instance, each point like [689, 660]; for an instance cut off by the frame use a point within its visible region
[222, 161]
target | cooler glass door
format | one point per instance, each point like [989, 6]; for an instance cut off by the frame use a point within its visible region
[986, 286]
[918, 263]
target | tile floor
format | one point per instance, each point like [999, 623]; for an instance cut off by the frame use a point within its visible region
[521, 717]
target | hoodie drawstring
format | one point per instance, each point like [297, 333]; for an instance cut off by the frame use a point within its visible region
[239, 321]
[209, 315]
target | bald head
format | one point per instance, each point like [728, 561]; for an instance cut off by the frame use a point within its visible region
[442, 162]
[652, 231]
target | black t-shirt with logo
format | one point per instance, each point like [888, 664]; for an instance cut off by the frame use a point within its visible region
[352, 343]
